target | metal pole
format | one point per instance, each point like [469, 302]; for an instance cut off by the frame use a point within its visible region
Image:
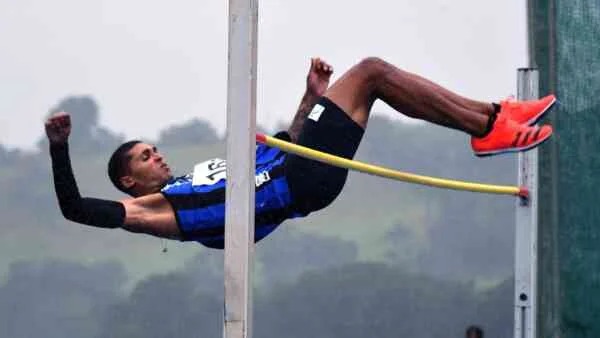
[241, 129]
[526, 224]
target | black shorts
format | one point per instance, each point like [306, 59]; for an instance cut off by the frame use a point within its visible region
[314, 185]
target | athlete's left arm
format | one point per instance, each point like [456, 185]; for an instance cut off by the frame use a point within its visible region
[317, 82]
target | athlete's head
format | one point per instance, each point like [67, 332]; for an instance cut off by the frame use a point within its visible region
[137, 169]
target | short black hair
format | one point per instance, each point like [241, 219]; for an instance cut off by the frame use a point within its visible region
[474, 331]
[117, 165]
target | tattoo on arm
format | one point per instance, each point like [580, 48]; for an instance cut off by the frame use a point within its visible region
[306, 105]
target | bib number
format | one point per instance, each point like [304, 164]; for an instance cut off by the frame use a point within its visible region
[212, 171]
[209, 172]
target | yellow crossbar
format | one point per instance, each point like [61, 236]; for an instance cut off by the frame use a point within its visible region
[389, 173]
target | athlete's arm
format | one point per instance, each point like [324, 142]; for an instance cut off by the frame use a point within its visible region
[146, 215]
[90, 211]
[151, 214]
[317, 82]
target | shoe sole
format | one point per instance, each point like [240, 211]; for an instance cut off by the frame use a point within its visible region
[512, 150]
[541, 114]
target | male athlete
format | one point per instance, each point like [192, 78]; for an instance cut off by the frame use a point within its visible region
[330, 119]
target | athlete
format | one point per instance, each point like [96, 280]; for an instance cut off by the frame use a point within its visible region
[329, 119]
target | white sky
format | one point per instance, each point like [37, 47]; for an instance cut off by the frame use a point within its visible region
[153, 63]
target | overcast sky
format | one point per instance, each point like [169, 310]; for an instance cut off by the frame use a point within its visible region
[153, 63]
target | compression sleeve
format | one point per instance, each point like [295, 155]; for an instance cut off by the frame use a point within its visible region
[90, 211]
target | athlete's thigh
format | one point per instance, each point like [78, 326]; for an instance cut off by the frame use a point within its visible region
[353, 93]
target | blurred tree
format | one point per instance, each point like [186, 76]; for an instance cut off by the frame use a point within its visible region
[366, 300]
[192, 132]
[8, 156]
[168, 305]
[86, 134]
[287, 254]
[56, 299]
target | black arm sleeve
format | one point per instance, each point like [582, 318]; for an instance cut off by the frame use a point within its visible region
[90, 211]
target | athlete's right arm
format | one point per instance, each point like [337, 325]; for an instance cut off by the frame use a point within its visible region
[90, 211]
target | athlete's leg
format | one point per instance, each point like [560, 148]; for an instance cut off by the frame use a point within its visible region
[373, 78]
[455, 98]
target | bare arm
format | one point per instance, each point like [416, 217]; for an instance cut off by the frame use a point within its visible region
[147, 215]
[317, 82]
[308, 102]
[152, 215]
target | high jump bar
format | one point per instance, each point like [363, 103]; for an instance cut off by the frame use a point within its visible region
[371, 169]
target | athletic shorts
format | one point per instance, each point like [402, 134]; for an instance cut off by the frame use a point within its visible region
[314, 185]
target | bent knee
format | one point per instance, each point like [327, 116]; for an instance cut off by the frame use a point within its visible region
[372, 65]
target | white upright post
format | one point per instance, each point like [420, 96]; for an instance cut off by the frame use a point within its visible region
[241, 133]
[526, 225]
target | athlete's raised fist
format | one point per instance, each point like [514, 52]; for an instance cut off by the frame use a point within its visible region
[318, 76]
[58, 127]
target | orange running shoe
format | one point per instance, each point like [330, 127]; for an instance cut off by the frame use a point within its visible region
[509, 136]
[527, 112]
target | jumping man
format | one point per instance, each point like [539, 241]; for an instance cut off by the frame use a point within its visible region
[329, 119]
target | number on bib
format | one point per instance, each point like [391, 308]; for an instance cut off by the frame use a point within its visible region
[209, 172]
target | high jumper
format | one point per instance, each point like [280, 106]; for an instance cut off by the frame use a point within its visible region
[330, 119]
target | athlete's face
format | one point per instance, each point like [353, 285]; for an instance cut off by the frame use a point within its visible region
[148, 172]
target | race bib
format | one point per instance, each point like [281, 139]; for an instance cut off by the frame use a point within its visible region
[209, 172]
[212, 171]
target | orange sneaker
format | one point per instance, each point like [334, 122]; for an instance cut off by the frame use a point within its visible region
[527, 112]
[509, 136]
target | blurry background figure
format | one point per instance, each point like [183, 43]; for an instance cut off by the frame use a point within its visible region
[474, 332]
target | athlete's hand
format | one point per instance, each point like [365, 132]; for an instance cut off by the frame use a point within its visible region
[58, 128]
[318, 77]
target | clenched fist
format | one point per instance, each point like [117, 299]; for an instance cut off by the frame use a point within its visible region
[58, 128]
[318, 76]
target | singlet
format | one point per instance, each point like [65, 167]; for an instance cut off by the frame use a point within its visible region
[198, 198]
